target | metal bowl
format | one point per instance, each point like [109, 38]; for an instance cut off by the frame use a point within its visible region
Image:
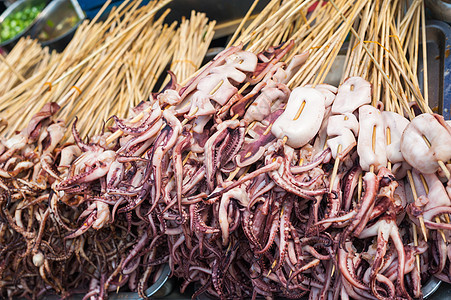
[13, 8]
[57, 24]
[159, 289]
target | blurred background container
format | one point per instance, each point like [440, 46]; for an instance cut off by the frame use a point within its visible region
[57, 23]
[17, 20]
[440, 9]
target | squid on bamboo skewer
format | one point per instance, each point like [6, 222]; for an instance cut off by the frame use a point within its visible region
[289, 224]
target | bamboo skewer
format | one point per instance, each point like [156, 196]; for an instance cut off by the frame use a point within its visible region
[120, 51]
[243, 21]
[376, 64]
[415, 243]
[414, 227]
[388, 60]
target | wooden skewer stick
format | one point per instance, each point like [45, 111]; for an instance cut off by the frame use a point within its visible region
[359, 187]
[250, 127]
[415, 242]
[447, 218]
[272, 267]
[233, 174]
[415, 197]
[243, 21]
[388, 136]
[196, 109]
[425, 65]
[186, 158]
[3, 59]
[375, 62]
[373, 146]
[298, 114]
[216, 88]
[335, 169]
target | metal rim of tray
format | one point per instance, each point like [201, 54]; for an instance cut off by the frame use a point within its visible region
[150, 291]
[430, 287]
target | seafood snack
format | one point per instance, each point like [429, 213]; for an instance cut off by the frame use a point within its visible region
[244, 187]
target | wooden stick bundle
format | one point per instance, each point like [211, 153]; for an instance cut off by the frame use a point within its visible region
[107, 68]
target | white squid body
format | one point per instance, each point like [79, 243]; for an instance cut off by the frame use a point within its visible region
[300, 131]
[370, 119]
[233, 69]
[329, 91]
[103, 215]
[200, 104]
[396, 123]
[415, 149]
[342, 130]
[352, 93]
[437, 193]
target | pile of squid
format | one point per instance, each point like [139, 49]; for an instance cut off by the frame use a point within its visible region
[246, 189]
[38, 254]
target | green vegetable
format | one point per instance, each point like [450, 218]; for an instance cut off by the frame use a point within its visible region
[17, 22]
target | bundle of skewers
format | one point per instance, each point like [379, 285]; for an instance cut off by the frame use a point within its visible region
[107, 68]
[251, 178]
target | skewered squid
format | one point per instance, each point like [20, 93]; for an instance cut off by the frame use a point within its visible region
[371, 145]
[301, 127]
[425, 141]
[244, 207]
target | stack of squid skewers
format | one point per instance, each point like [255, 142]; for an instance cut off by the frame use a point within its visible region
[288, 224]
[247, 185]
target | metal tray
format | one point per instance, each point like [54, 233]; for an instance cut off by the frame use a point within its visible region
[438, 39]
[160, 288]
[18, 6]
